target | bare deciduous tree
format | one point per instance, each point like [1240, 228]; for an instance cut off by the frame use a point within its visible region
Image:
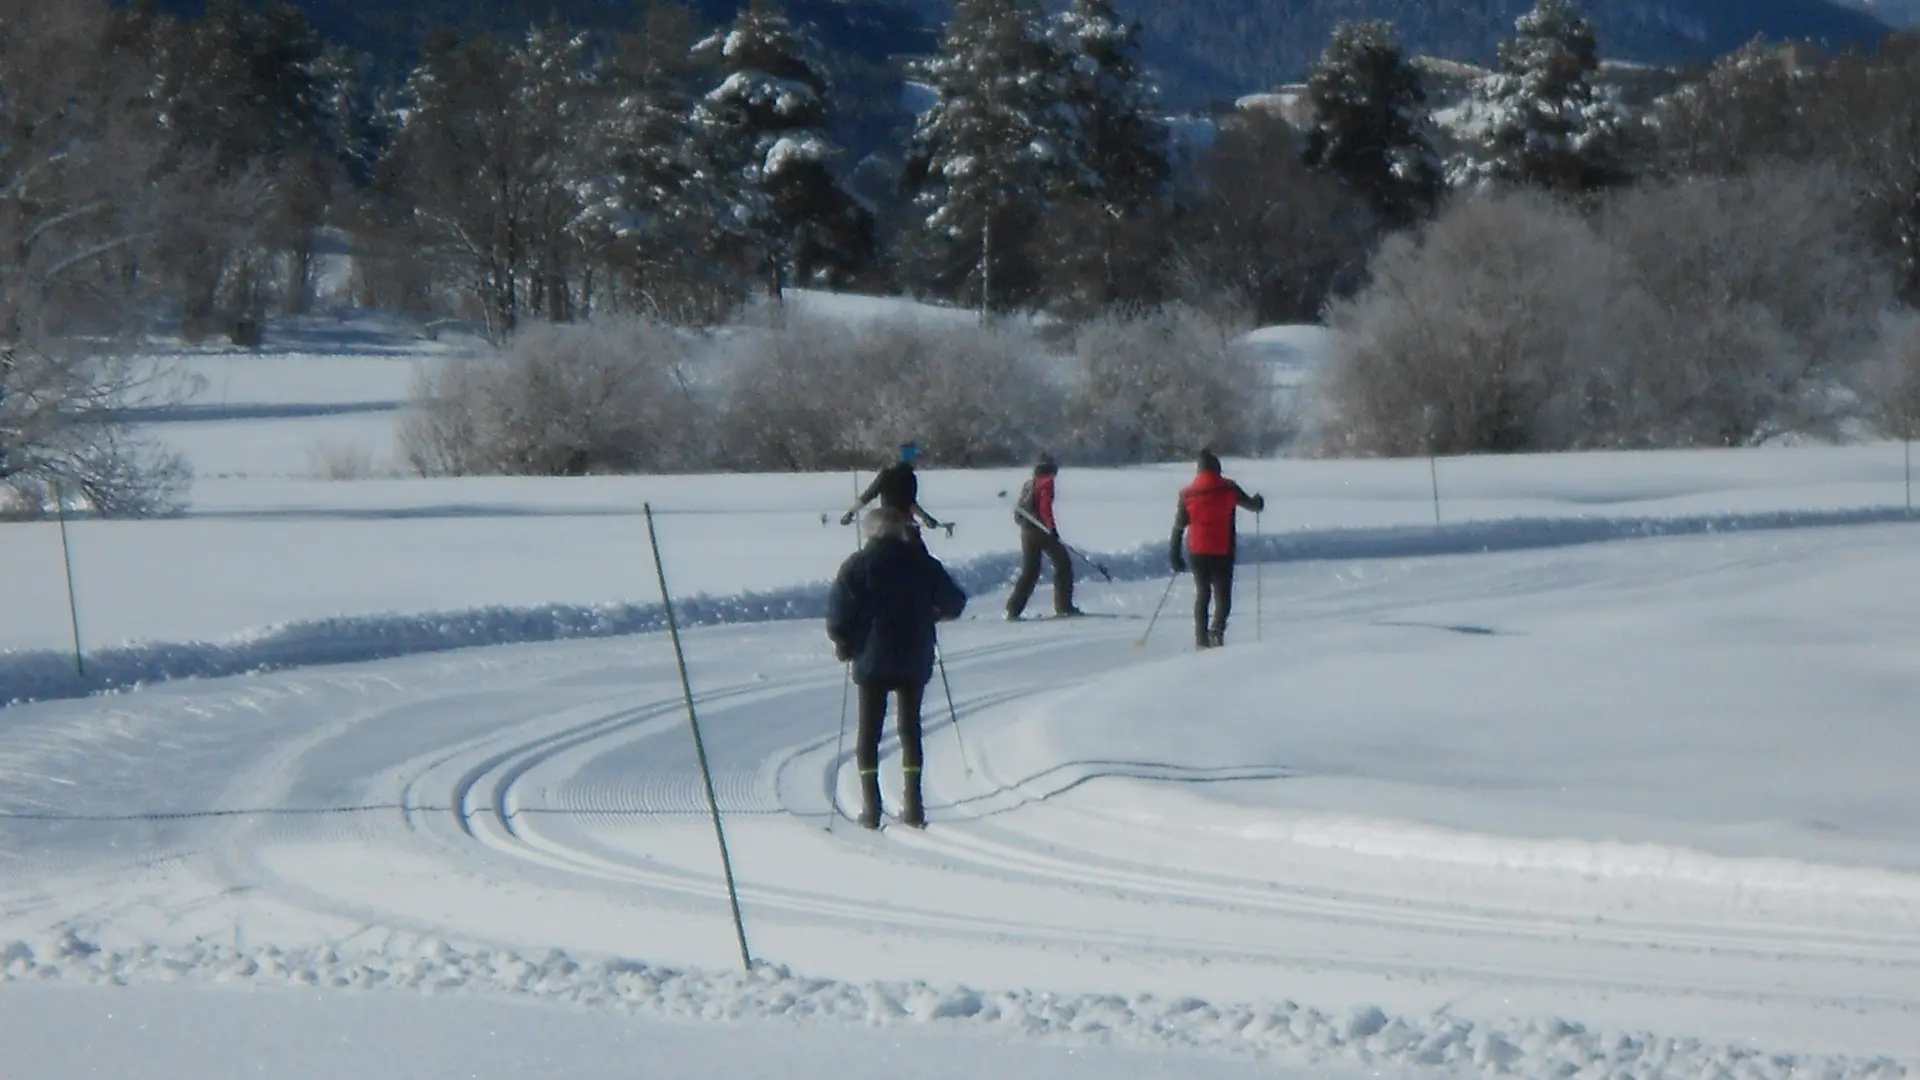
[78, 143]
[1267, 234]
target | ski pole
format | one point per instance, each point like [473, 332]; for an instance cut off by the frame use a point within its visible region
[953, 714]
[1259, 577]
[1142, 643]
[1089, 560]
[839, 748]
[1084, 557]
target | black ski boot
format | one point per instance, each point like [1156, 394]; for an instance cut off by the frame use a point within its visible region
[1217, 639]
[870, 800]
[914, 812]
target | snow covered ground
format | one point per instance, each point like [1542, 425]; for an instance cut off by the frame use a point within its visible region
[1608, 774]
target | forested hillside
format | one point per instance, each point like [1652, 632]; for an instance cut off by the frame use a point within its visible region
[1544, 252]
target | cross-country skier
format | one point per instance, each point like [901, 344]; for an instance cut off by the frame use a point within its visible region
[881, 616]
[897, 488]
[1040, 534]
[1206, 516]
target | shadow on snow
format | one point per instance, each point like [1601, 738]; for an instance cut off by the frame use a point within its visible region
[46, 674]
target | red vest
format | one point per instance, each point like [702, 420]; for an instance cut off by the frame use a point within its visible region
[1043, 500]
[1210, 502]
[1036, 498]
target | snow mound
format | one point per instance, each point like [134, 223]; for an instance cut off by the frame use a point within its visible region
[1294, 353]
[1284, 1030]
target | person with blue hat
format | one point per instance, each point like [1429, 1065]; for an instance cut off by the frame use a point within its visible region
[897, 488]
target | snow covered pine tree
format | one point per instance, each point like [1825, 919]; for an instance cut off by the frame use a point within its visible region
[767, 122]
[1104, 246]
[1547, 125]
[999, 143]
[1371, 127]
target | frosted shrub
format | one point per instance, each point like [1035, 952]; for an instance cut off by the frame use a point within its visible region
[332, 460]
[1890, 382]
[559, 401]
[1479, 333]
[813, 393]
[1160, 385]
[1760, 291]
[1700, 313]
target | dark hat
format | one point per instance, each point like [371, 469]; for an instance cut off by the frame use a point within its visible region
[1209, 461]
[1045, 465]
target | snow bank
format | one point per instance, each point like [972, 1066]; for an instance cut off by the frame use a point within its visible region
[35, 675]
[1366, 1035]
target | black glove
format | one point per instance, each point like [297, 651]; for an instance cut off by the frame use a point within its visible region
[841, 652]
[847, 518]
[1259, 504]
[1054, 533]
[1179, 564]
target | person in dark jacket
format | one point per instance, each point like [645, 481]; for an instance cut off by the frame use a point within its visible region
[897, 488]
[1040, 535]
[1206, 517]
[881, 616]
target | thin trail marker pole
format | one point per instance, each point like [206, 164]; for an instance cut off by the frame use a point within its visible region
[1433, 472]
[66, 557]
[699, 744]
[846, 691]
[1142, 643]
[1259, 580]
[839, 748]
[953, 714]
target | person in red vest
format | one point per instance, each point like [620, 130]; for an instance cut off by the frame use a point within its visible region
[1206, 518]
[1040, 535]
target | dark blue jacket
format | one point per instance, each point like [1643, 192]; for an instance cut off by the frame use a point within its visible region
[882, 610]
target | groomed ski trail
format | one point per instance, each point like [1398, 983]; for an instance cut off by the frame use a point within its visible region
[526, 819]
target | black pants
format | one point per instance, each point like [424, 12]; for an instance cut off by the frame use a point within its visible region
[1212, 588]
[1033, 544]
[866, 746]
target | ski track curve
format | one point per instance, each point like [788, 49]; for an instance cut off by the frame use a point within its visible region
[582, 783]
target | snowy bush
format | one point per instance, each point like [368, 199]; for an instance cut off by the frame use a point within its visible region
[1712, 312]
[1890, 382]
[1476, 334]
[814, 393]
[559, 401]
[1760, 291]
[332, 460]
[1160, 385]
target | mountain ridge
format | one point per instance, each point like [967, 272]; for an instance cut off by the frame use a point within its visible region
[1201, 50]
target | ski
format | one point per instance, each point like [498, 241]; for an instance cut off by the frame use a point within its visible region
[1065, 618]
